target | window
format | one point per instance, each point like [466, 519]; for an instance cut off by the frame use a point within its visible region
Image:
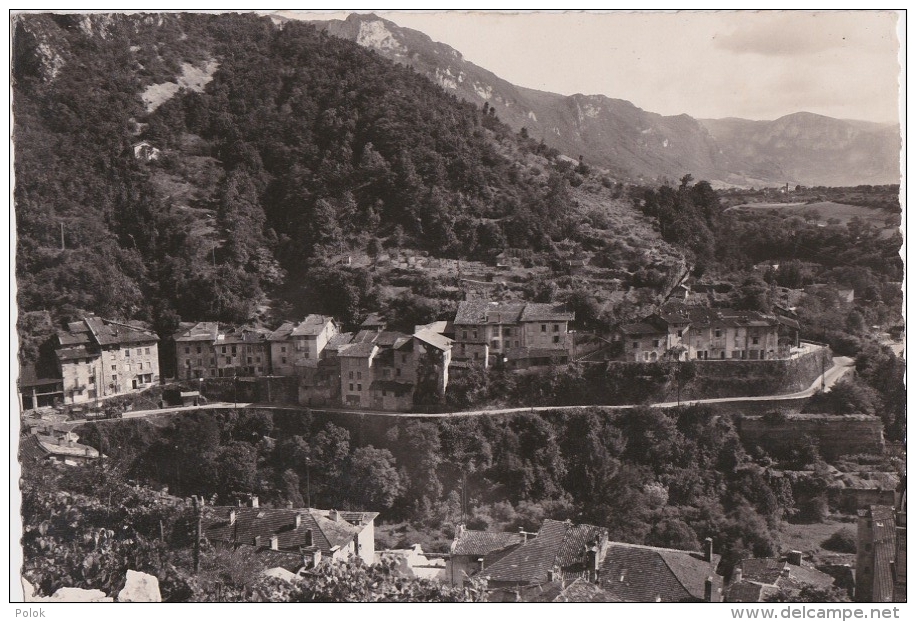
[403, 358]
[282, 348]
[139, 352]
[351, 375]
[556, 328]
[543, 328]
[250, 360]
[92, 379]
[507, 332]
[127, 353]
[187, 350]
[680, 333]
[397, 372]
[464, 334]
[223, 350]
[556, 339]
[233, 350]
[495, 344]
[188, 362]
[351, 386]
[212, 361]
[359, 375]
[199, 350]
[260, 369]
[114, 368]
[755, 340]
[359, 387]
[147, 350]
[635, 345]
[258, 359]
[248, 349]
[656, 343]
[283, 360]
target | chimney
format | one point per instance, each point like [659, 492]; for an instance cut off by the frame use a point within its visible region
[707, 590]
[275, 543]
[298, 520]
[254, 501]
[794, 558]
[257, 541]
[334, 515]
[232, 517]
[289, 505]
[707, 549]
[737, 574]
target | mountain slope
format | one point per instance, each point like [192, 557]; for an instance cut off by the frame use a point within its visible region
[634, 143]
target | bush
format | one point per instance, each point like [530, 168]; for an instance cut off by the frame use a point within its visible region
[843, 540]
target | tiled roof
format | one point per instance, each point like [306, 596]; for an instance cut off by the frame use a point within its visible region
[640, 328]
[374, 320]
[746, 592]
[246, 334]
[30, 450]
[202, 331]
[482, 312]
[434, 339]
[780, 573]
[267, 522]
[312, 325]
[359, 518]
[338, 340]
[635, 573]
[76, 352]
[482, 543]
[705, 317]
[356, 350]
[885, 545]
[107, 332]
[28, 377]
[282, 333]
[558, 544]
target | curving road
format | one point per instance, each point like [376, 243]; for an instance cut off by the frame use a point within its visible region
[841, 366]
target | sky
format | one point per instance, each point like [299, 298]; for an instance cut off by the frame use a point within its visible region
[708, 64]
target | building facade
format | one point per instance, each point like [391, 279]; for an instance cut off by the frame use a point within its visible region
[204, 350]
[487, 333]
[101, 358]
[295, 344]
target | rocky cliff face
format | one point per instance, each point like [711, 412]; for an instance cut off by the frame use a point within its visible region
[633, 143]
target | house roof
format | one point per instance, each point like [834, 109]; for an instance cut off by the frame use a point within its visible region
[312, 325]
[38, 447]
[558, 544]
[483, 312]
[481, 543]
[108, 332]
[374, 320]
[338, 340]
[28, 377]
[434, 339]
[246, 334]
[249, 523]
[356, 350]
[780, 573]
[636, 573]
[202, 331]
[641, 328]
[282, 333]
[747, 592]
[884, 543]
[76, 352]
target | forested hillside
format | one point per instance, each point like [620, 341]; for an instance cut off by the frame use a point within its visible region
[302, 146]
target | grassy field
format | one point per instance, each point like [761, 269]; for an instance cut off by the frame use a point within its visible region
[807, 538]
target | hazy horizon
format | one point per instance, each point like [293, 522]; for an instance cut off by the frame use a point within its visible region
[757, 65]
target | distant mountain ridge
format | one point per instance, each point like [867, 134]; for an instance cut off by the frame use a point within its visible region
[800, 148]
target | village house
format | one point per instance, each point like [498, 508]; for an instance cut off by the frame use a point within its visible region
[101, 358]
[37, 391]
[518, 334]
[144, 151]
[699, 333]
[56, 446]
[474, 551]
[304, 535]
[565, 552]
[753, 580]
[881, 552]
[205, 350]
[293, 344]
[389, 370]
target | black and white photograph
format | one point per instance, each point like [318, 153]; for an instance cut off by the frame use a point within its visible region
[458, 307]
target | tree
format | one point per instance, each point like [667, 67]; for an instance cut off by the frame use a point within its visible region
[369, 480]
[809, 594]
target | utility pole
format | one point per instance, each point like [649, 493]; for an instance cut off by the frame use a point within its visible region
[308, 483]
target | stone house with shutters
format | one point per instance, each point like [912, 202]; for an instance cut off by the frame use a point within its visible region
[487, 333]
[205, 350]
[699, 333]
[100, 358]
[295, 344]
